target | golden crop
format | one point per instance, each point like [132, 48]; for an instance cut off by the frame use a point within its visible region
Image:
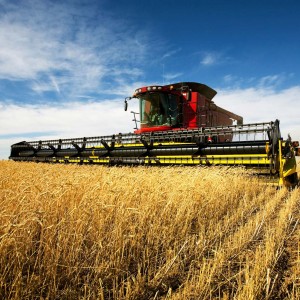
[93, 232]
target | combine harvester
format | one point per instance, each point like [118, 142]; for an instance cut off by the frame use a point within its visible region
[179, 125]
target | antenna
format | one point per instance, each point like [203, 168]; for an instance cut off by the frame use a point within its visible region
[163, 75]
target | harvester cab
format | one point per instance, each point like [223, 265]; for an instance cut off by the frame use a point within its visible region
[180, 105]
[179, 125]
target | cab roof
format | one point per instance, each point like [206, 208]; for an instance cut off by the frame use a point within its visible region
[196, 87]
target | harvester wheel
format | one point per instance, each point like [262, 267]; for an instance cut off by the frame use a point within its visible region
[292, 180]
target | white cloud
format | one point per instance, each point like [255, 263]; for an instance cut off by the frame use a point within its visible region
[53, 47]
[271, 80]
[229, 78]
[171, 53]
[264, 105]
[210, 58]
[266, 82]
[170, 77]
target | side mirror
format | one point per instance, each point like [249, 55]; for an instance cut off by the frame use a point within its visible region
[126, 103]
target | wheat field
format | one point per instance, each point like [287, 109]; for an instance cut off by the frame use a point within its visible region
[93, 232]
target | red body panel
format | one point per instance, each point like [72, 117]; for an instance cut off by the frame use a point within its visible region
[190, 111]
[151, 129]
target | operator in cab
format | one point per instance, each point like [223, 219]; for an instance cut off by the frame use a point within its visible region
[156, 116]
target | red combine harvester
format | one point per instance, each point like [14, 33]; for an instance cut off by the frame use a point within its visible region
[179, 125]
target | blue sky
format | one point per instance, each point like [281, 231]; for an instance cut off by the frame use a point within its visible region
[66, 66]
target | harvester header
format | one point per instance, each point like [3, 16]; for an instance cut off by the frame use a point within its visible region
[179, 125]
